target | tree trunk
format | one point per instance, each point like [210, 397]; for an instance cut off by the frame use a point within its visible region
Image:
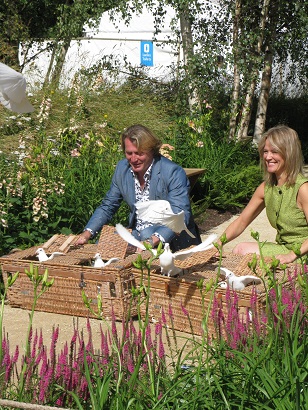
[51, 62]
[188, 52]
[253, 74]
[263, 97]
[236, 73]
[246, 110]
[56, 75]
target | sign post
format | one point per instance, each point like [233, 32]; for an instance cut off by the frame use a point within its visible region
[146, 53]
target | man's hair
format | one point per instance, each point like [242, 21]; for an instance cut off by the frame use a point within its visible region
[142, 137]
[286, 142]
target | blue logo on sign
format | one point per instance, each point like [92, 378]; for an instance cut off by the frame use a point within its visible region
[146, 53]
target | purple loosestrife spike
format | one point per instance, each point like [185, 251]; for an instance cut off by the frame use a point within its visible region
[40, 343]
[42, 388]
[149, 337]
[44, 365]
[39, 356]
[126, 346]
[130, 364]
[170, 312]
[54, 339]
[161, 348]
[104, 348]
[139, 338]
[133, 329]
[214, 308]
[184, 310]
[114, 329]
[74, 338]
[30, 336]
[163, 316]
[16, 354]
[34, 345]
[5, 343]
[158, 328]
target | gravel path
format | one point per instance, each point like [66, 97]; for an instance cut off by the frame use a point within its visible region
[260, 224]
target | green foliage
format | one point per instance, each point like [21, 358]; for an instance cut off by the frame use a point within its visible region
[231, 168]
[62, 164]
[261, 363]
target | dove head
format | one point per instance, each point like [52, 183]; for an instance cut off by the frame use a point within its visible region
[39, 250]
[167, 246]
[223, 285]
[97, 255]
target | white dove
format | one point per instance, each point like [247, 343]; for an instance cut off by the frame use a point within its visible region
[43, 257]
[160, 212]
[167, 258]
[99, 263]
[128, 237]
[13, 90]
[236, 282]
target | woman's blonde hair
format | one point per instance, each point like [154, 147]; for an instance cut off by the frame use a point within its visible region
[142, 137]
[286, 142]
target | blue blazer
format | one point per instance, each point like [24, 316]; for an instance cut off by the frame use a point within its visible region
[168, 182]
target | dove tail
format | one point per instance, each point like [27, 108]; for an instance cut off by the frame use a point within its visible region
[189, 233]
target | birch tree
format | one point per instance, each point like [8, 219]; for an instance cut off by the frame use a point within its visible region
[261, 37]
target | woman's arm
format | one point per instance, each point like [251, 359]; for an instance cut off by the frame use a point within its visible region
[250, 212]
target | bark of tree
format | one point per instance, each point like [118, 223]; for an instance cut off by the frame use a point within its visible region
[188, 52]
[49, 70]
[246, 110]
[263, 98]
[236, 72]
[60, 59]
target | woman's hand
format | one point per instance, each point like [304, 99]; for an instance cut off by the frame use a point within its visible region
[287, 258]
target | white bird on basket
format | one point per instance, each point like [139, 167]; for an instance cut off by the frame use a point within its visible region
[13, 90]
[160, 212]
[43, 257]
[99, 263]
[236, 282]
[167, 258]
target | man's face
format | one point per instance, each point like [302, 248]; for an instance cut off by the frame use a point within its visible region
[138, 160]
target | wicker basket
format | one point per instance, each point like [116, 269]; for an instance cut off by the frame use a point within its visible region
[179, 302]
[72, 273]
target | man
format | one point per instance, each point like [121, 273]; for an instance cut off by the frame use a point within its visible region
[142, 176]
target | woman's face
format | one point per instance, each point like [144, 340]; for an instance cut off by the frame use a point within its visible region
[138, 160]
[274, 161]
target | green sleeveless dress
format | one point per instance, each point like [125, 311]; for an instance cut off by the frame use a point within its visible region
[285, 216]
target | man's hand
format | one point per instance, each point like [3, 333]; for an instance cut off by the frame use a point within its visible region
[83, 238]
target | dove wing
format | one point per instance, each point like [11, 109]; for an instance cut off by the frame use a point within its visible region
[160, 212]
[225, 272]
[154, 211]
[250, 278]
[128, 237]
[55, 254]
[203, 246]
[111, 260]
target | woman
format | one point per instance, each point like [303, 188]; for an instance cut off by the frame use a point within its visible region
[284, 194]
[145, 175]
